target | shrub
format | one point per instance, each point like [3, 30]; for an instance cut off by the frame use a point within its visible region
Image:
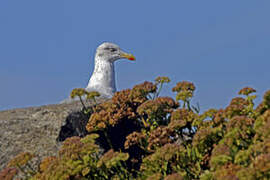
[139, 135]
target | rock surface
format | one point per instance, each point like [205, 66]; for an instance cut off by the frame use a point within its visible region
[36, 129]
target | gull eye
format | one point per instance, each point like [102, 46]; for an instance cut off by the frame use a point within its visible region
[111, 49]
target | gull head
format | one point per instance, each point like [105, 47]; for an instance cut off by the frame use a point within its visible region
[111, 52]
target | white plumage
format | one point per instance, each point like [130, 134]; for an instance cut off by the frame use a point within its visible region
[103, 77]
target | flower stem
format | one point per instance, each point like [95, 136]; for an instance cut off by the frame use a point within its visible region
[82, 103]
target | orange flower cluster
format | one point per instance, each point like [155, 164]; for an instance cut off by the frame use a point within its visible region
[78, 92]
[162, 160]
[92, 95]
[111, 158]
[184, 91]
[266, 98]
[150, 137]
[182, 118]
[227, 172]
[246, 91]
[222, 149]
[159, 105]
[184, 86]
[241, 122]
[265, 103]
[156, 110]
[8, 173]
[76, 159]
[134, 138]
[141, 92]
[46, 162]
[219, 118]
[20, 163]
[162, 80]
[236, 107]
[174, 176]
[122, 106]
[110, 113]
[21, 159]
[262, 125]
[159, 137]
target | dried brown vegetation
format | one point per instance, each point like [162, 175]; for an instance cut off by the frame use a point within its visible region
[139, 135]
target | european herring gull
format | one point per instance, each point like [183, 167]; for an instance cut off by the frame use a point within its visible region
[103, 77]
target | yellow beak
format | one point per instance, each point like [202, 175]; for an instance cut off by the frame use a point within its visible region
[127, 56]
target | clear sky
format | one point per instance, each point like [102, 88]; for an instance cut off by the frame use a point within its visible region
[47, 47]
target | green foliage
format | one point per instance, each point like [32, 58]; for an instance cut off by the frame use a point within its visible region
[143, 136]
[164, 160]
[20, 163]
[81, 93]
[80, 158]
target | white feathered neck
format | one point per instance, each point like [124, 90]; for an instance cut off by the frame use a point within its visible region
[103, 77]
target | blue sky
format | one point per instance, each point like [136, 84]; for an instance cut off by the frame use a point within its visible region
[47, 47]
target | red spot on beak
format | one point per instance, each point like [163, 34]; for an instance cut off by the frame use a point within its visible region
[131, 58]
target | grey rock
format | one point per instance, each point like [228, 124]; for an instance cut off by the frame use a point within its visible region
[36, 129]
